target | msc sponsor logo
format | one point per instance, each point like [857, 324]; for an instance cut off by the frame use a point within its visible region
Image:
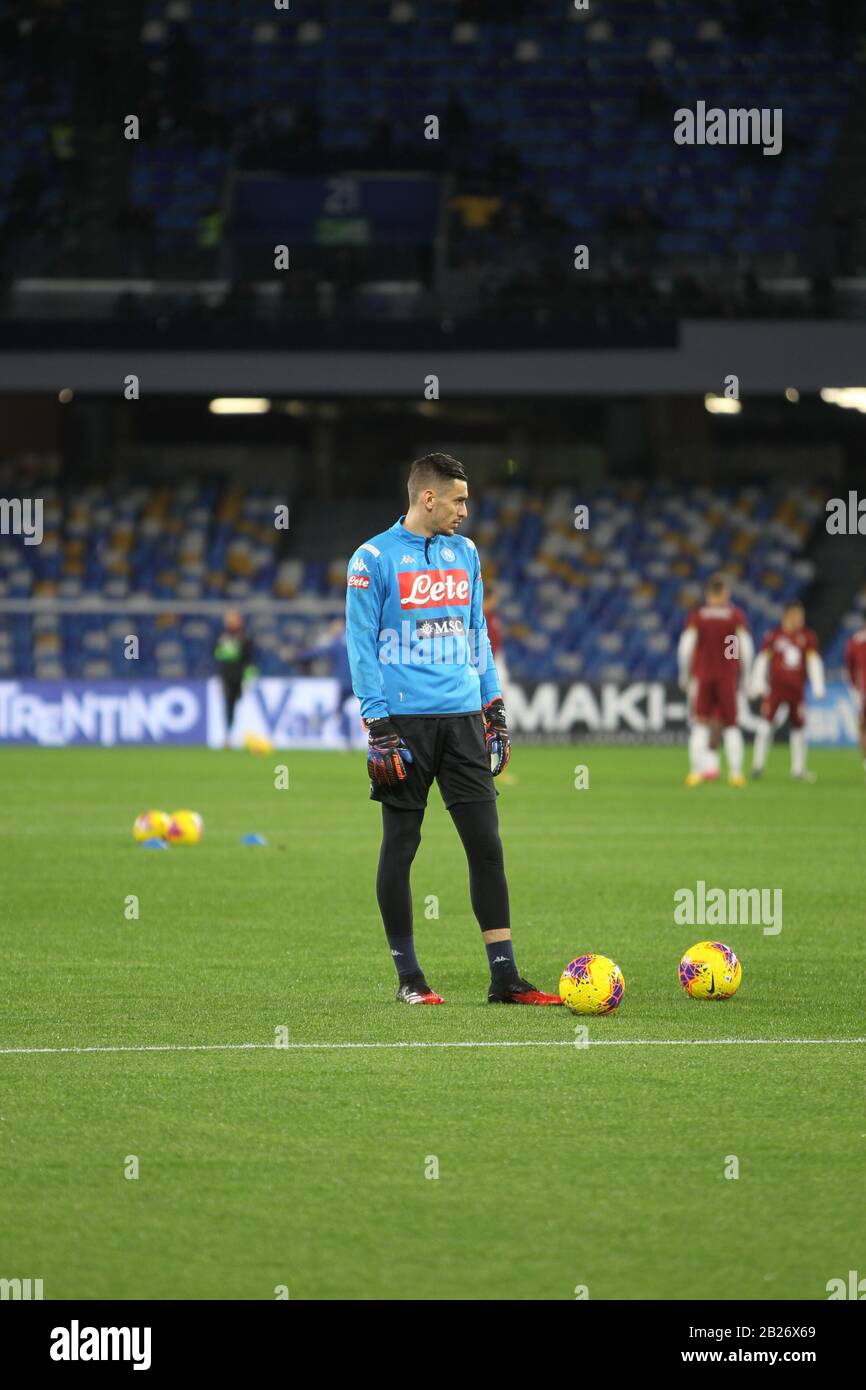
[358, 581]
[433, 588]
[440, 627]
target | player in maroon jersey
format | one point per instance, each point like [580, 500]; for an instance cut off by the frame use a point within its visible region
[855, 664]
[715, 648]
[788, 658]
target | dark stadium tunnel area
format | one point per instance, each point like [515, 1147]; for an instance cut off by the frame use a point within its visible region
[369, 436]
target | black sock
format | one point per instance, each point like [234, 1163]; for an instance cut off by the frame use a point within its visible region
[500, 954]
[403, 955]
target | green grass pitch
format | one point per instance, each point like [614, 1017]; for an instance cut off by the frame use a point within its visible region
[558, 1166]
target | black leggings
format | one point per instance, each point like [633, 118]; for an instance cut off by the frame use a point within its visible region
[232, 693]
[477, 824]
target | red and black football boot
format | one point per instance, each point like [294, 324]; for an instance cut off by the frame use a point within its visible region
[520, 991]
[418, 991]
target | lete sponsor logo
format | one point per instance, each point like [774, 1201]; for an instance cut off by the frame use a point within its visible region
[359, 581]
[433, 588]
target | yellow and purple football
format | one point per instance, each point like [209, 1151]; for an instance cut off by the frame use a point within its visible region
[591, 985]
[151, 825]
[185, 828]
[710, 970]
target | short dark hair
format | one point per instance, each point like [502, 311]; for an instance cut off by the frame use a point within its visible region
[792, 603]
[717, 582]
[433, 468]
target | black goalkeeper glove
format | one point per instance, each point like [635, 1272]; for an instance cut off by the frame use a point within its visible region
[496, 735]
[388, 754]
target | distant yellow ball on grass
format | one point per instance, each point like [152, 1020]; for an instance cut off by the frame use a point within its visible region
[151, 825]
[257, 743]
[185, 828]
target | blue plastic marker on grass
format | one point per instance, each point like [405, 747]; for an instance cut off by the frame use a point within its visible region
[253, 840]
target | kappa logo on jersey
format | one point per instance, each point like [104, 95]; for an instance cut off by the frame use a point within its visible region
[358, 564]
[407, 559]
[358, 581]
[440, 627]
[433, 588]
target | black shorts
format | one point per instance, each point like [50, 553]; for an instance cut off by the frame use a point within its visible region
[449, 747]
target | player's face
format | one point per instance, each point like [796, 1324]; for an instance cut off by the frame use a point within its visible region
[718, 597]
[449, 509]
[793, 620]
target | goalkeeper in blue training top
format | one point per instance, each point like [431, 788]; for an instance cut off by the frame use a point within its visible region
[423, 671]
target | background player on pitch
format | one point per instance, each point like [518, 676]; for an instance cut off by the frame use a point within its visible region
[233, 655]
[715, 648]
[855, 664]
[788, 657]
[332, 648]
[423, 671]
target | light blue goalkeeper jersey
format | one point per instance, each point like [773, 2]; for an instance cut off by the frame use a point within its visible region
[415, 627]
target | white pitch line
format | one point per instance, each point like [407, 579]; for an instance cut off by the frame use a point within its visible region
[362, 1046]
